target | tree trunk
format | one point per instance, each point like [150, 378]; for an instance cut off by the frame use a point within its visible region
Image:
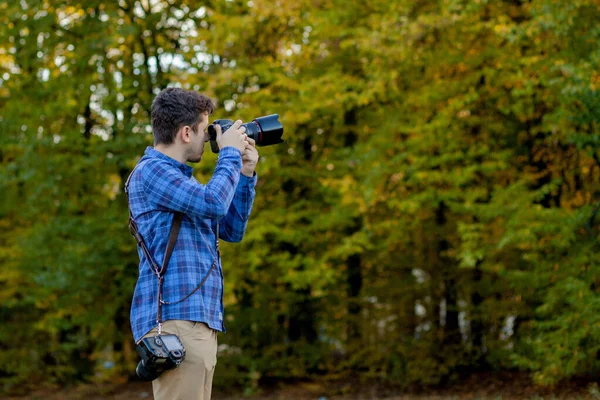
[451, 329]
[354, 281]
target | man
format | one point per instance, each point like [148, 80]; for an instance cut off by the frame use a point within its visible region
[162, 184]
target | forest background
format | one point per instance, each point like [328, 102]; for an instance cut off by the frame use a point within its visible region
[432, 213]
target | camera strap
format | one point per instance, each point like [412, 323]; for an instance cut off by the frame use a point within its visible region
[161, 272]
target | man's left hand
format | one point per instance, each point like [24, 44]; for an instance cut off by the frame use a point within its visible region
[249, 158]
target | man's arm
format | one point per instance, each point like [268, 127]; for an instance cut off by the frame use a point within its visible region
[235, 222]
[233, 226]
[167, 188]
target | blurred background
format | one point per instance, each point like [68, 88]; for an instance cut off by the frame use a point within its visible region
[433, 213]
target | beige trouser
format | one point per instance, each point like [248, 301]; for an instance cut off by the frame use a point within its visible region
[192, 380]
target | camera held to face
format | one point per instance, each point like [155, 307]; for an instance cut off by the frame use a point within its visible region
[159, 353]
[264, 130]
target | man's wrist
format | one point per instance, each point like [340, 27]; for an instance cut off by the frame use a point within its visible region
[231, 147]
[248, 172]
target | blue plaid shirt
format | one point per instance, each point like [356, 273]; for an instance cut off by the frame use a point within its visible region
[160, 185]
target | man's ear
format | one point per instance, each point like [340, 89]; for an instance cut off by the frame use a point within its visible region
[185, 133]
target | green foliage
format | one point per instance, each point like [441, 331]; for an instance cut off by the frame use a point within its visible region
[432, 212]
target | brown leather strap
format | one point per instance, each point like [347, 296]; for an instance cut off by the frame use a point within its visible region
[163, 270]
[171, 243]
[140, 241]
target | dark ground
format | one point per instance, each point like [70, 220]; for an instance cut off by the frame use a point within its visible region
[480, 387]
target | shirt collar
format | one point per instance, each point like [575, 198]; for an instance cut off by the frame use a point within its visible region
[153, 153]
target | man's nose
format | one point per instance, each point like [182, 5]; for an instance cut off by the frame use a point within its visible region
[206, 136]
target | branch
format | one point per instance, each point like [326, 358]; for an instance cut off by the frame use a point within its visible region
[159, 70]
[147, 64]
[590, 223]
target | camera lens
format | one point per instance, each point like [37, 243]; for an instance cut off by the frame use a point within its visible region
[264, 130]
[145, 373]
[253, 131]
[268, 130]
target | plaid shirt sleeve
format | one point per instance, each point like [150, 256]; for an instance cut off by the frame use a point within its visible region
[173, 191]
[233, 225]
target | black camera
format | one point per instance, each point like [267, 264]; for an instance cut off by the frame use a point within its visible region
[159, 354]
[264, 130]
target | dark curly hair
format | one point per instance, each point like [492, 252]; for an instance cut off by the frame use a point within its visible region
[173, 108]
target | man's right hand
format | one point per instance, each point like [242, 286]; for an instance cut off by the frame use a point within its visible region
[235, 136]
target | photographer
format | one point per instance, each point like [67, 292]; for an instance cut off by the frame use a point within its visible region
[161, 186]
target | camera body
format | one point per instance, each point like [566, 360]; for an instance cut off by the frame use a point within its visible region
[159, 353]
[264, 130]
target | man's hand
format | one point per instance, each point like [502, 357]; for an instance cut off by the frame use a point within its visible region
[235, 136]
[249, 158]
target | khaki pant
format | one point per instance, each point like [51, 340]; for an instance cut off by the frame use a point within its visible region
[192, 380]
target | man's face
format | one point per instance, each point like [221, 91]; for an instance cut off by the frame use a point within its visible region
[199, 138]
